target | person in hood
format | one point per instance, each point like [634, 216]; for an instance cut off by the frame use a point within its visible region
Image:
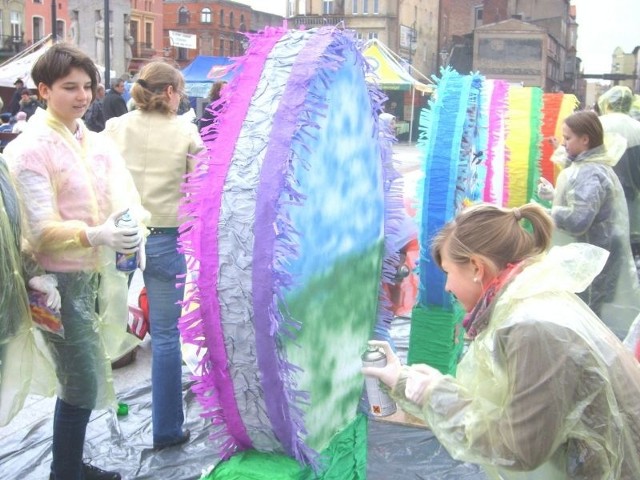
[545, 390]
[615, 105]
[589, 206]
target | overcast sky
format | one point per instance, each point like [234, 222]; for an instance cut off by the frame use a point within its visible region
[603, 26]
[279, 7]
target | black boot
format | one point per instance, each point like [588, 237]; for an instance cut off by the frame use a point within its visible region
[91, 472]
[95, 473]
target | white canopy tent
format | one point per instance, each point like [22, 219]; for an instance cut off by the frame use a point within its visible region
[19, 66]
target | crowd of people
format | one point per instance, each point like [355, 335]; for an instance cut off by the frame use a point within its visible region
[547, 389]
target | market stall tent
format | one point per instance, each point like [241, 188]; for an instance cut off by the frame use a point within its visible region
[19, 66]
[388, 72]
[203, 71]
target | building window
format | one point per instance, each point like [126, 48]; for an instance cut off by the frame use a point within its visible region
[373, 35]
[221, 53]
[60, 29]
[148, 34]
[183, 16]
[37, 1]
[222, 18]
[16, 30]
[376, 7]
[183, 54]
[38, 28]
[327, 7]
[205, 15]
[231, 19]
[290, 8]
[231, 48]
[365, 7]
[354, 9]
[478, 12]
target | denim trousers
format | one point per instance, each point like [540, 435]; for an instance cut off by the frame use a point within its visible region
[77, 358]
[69, 430]
[164, 264]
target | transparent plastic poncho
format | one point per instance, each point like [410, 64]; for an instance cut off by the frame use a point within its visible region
[589, 206]
[615, 106]
[24, 368]
[67, 184]
[546, 391]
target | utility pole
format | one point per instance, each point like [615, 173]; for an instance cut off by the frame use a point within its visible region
[54, 21]
[107, 46]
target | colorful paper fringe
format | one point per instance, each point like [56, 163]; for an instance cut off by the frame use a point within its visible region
[280, 266]
[447, 140]
[550, 113]
[523, 139]
[495, 189]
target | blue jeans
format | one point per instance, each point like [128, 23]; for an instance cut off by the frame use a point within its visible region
[78, 358]
[164, 263]
[69, 429]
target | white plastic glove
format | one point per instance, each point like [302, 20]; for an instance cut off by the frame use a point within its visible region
[388, 374]
[123, 240]
[545, 189]
[47, 284]
[419, 381]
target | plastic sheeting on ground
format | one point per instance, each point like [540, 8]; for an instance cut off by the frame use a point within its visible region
[125, 443]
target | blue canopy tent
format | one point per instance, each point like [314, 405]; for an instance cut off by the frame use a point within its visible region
[203, 71]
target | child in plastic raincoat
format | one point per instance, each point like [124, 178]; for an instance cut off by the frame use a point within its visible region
[74, 185]
[545, 391]
[589, 206]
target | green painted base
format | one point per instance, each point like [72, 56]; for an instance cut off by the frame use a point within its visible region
[436, 337]
[344, 459]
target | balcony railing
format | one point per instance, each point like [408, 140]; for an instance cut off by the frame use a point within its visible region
[316, 20]
[10, 44]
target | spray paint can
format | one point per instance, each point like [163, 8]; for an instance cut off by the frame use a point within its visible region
[126, 262]
[380, 403]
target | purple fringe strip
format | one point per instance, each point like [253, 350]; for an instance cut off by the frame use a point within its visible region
[275, 244]
[203, 192]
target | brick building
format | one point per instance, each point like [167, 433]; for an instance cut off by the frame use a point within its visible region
[217, 25]
[533, 43]
[409, 27]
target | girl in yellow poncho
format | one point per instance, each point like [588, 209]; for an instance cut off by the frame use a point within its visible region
[546, 391]
[73, 185]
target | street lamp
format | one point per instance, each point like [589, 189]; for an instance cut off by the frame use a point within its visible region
[54, 21]
[107, 40]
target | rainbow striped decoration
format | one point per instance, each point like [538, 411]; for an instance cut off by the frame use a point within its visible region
[550, 113]
[453, 140]
[481, 139]
[523, 122]
[495, 187]
[289, 210]
[448, 143]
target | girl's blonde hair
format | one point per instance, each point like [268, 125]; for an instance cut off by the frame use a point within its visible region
[149, 91]
[495, 234]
